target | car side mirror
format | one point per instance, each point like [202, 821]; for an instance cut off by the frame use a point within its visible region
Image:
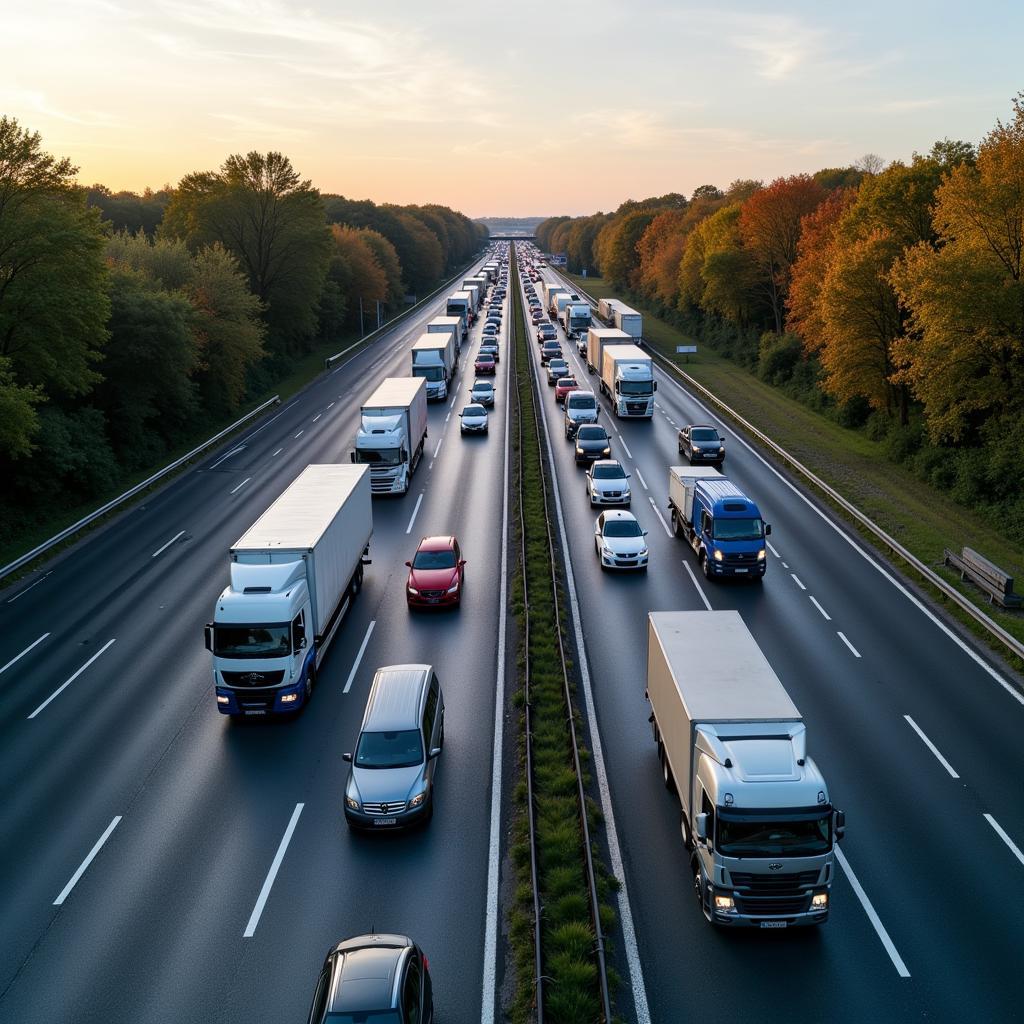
[347, 757]
[767, 529]
[409, 564]
[462, 561]
[700, 826]
[435, 752]
[645, 533]
[208, 636]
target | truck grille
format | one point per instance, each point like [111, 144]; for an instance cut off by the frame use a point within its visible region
[262, 702]
[244, 679]
[636, 408]
[773, 895]
[773, 906]
[382, 809]
[740, 557]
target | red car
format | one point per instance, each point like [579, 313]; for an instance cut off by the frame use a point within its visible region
[563, 386]
[437, 574]
[484, 363]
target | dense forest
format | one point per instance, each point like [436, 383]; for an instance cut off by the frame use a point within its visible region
[130, 324]
[889, 297]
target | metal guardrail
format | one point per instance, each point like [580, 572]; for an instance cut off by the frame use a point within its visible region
[149, 481]
[994, 629]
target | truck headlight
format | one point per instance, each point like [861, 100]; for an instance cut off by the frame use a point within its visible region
[718, 556]
[819, 901]
[353, 805]
[725, 905]
[289, 698]
[221, 699]
[760, 555]
[418, 799]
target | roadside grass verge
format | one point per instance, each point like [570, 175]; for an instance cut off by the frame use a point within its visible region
[922, 518]
[571, 993]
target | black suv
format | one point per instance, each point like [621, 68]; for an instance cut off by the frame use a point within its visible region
[701, 443]
[374, 979]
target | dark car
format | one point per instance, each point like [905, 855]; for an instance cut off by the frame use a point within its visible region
[377, 979]
[546, 332]
[701, 443]
[557, 368]
[550, 350]
[592, 442]
[484, 363]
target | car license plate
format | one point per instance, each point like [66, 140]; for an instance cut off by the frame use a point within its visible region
[774, 924]
[741, 570]
[259, 711]
[385, 821]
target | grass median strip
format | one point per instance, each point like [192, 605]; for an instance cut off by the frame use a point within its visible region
[571, 985]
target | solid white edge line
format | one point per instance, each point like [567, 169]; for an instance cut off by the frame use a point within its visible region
[796, 580]
[897, 960]
[842, 636]
[242, 484]
[643, 1014]
[18, 657]
[60, 689]
[493, 911]
[268, 882]
[1015, 849]
[359, 656]
[931, 746]
[65, 892]
[161, 550]
[412, 518]
[661, 518]
[642, 480]
[693, 576]
[36, 583]
[877, 566]
[816, 603]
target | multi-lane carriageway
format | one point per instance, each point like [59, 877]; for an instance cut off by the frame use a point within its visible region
[162, 864]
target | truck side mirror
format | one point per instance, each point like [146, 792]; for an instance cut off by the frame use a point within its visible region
[767, 529]
[351, 456]
[655, 388]
[208, 636]
[840, 824]
[700, 825]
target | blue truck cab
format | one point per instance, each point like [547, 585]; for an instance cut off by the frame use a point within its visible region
[723, 526]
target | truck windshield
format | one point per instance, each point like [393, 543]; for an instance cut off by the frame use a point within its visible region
[635, 387]
[738, 529]
[389, 749]
[759, 837]
[252, 641]
[429, 372]
[379, 456]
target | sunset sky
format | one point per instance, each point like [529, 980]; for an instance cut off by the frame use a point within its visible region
[515, 109]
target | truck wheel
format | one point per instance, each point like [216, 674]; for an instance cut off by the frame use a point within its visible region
[357, 582]
[685, 829]
[675, 523]
[666, 769]
[705, 566]
[310, 685]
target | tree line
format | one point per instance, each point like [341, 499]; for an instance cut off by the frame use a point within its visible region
[130, 323]
[889, 297]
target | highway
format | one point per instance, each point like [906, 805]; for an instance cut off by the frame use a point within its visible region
[918, 735]
[163, 863]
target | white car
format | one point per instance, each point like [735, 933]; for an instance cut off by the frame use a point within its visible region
[482, 392]
[473, 420]
[619, 541]
[608, 483]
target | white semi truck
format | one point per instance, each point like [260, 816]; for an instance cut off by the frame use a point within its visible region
[433, 359]
[447, 325]
[627, 378]
[758, 824]
[392, 430]
[294, 574]
[576, 318]
[461, 304]
[550, 292]
[628, 320]
[597, 339]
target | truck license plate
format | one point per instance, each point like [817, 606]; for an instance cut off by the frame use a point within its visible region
[774, 924]
[741, 570]
[394, 821]
[257, 711]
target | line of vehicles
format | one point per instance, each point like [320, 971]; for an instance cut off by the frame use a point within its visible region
[758, 825]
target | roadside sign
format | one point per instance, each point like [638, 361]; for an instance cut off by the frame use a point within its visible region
[685, 349]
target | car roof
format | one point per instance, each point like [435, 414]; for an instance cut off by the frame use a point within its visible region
[365, 975]
[701, 426]
[395, 698]
[483, 384]
[605, 462]
[619, 514]
[436, 543]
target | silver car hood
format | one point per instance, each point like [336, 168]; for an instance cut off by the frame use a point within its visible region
[386, 785]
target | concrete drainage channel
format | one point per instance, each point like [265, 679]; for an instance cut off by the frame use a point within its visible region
[558, 919]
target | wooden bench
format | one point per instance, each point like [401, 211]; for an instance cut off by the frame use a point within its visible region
[996, 582]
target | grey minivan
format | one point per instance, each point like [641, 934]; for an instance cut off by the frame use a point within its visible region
[391, 782]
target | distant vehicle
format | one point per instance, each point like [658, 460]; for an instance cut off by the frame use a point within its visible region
[392, 430]
[379, 978]
[491, 350]
[759, 829]
[580, 408]
[458, 305]
[627, 378]
[575, 318]
[701, 443]
[294, 574]
[537, 316]
[619, 541]
[592, 442]
[484, 363]
[435, 357]
[722, 525]
[556, 368]
[391, 782]
[550, 350]
[563, 386]
[482, 392]
[473, 420]
[436, 573]
[546, 332]
[490, 329]
[608, 483]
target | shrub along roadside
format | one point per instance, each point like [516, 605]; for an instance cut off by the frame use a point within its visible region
[568, 941]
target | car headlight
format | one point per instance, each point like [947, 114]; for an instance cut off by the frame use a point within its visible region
[606, 452]
[453, 587]
[819, 901]
[353, 805]
[418, 799]
[643, 552]
[721, 451]
[760, 555]
[696, 451]
[413, 590]
[718, 556]
[625, 492]
[607, 552]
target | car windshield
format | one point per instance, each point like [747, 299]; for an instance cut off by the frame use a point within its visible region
[271, 641]
[379, 456]
[703, 434]
[567, 382]
[474, 410]
[751, 835]
[615, 472]
[592, 434]
[622, 528]
[481, 391]
[738, 529]
[389, 749]
[434, 560]
[364, 1017]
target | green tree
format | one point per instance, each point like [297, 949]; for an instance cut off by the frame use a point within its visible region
[19, 421]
